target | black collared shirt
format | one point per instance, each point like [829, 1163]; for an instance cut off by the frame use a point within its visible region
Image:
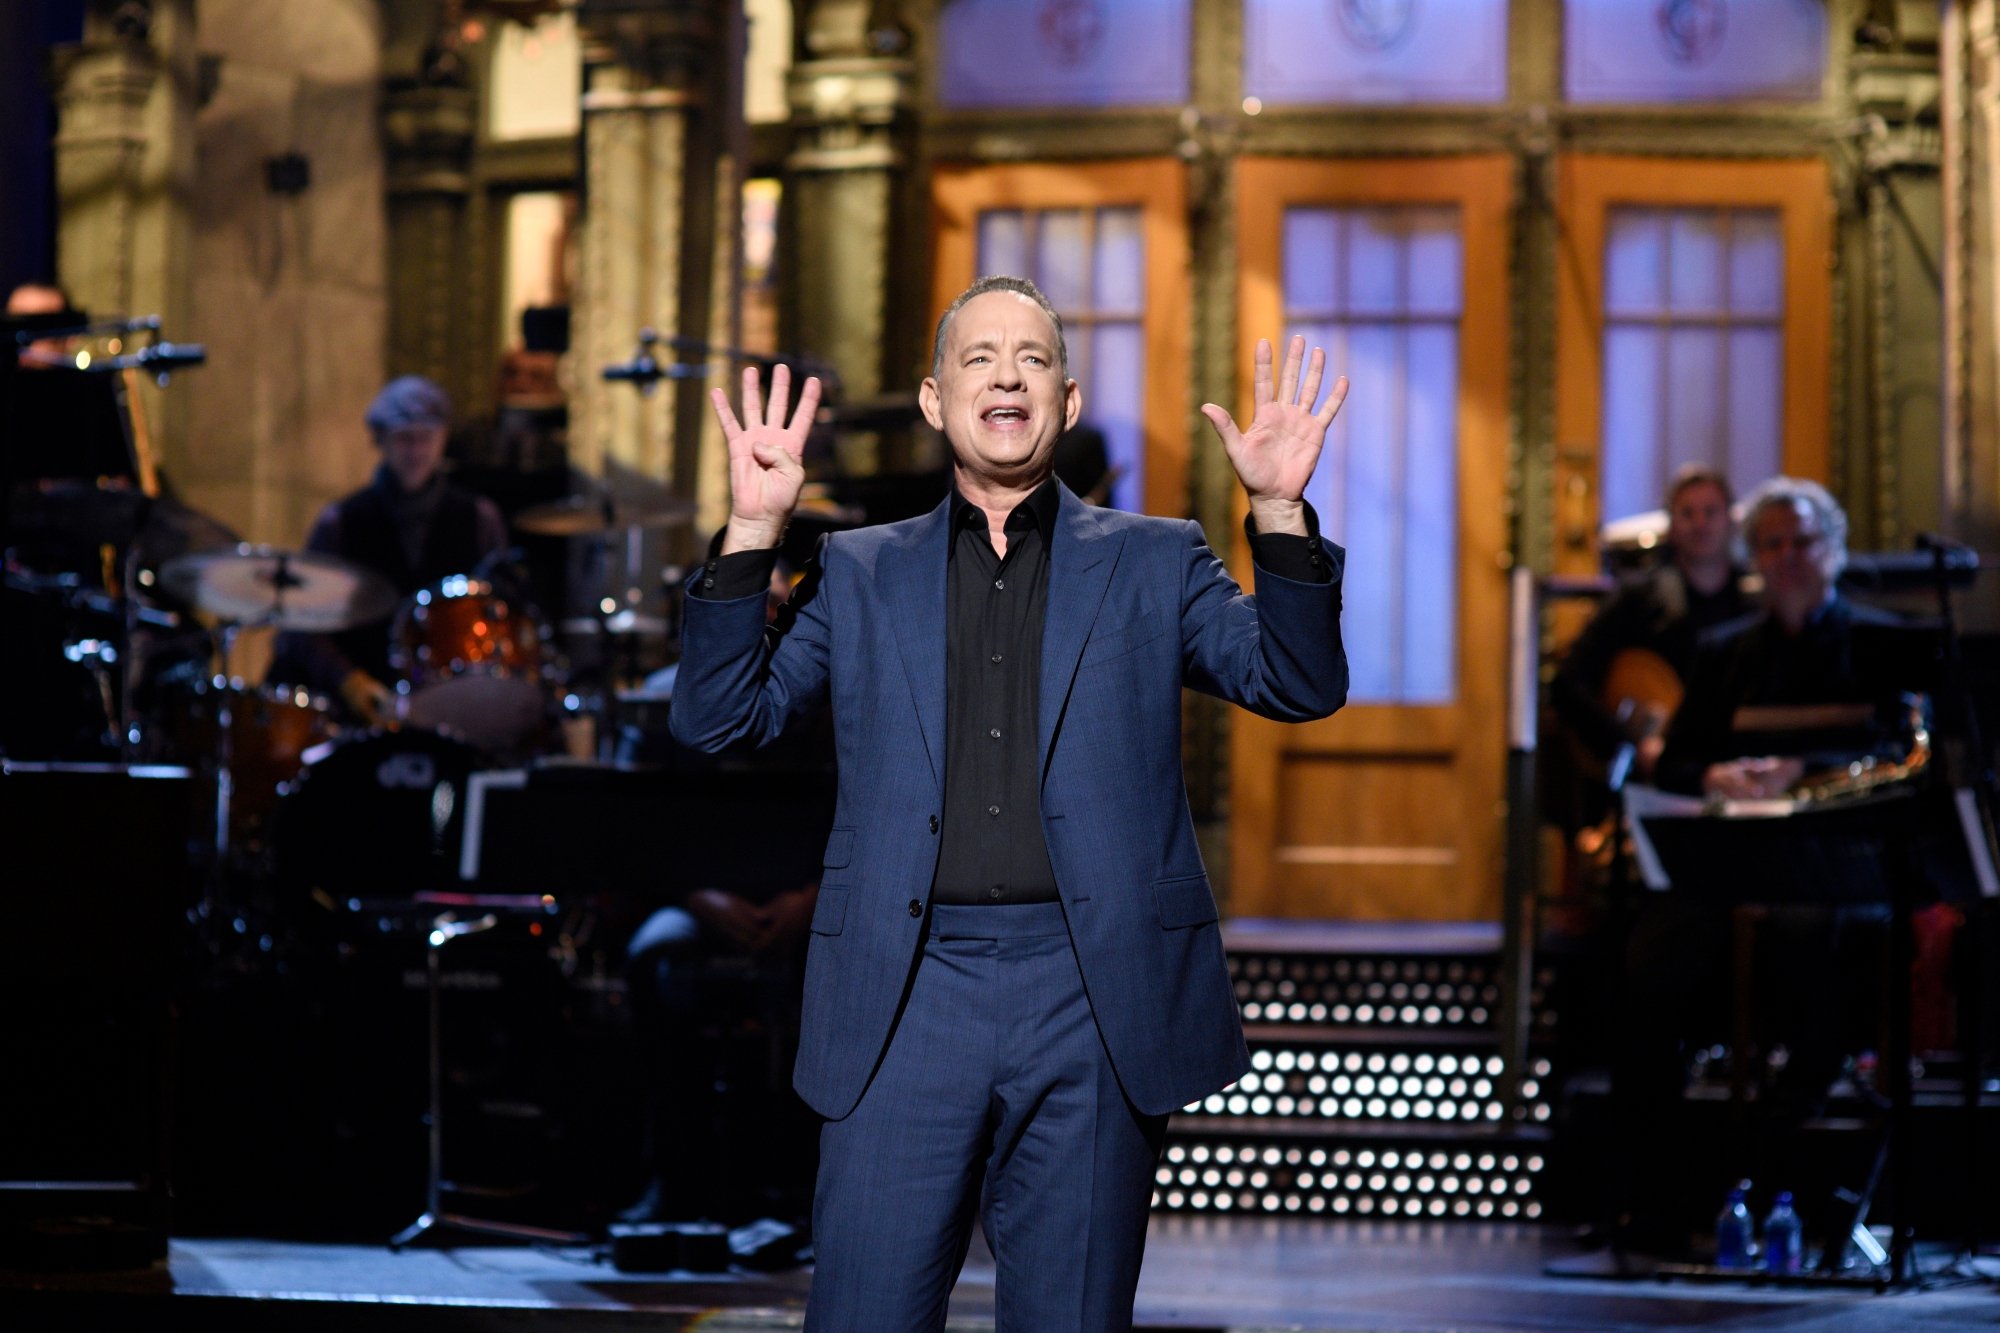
[994, 850]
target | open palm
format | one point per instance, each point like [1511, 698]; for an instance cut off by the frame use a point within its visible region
[1275, 457]
[765, 467]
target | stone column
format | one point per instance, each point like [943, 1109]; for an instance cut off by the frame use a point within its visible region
[125, 161]
[429, 123]
[651, 142]
[1971, 445]
[853, 217]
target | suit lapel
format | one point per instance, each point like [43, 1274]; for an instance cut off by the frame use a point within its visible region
[913, 577]
[1081, 558]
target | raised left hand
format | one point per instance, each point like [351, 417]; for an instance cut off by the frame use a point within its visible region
[1275, 457]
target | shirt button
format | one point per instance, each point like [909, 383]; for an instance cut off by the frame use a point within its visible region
[993, 892]
[916, 908]
[993, 810]
[1000, 583]
[934, 823]
[996, 659]
[995, 733]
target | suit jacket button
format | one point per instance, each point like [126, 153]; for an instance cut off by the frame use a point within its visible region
[934, 823]
[916, 908]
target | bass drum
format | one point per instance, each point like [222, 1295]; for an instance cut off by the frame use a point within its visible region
[377, 816]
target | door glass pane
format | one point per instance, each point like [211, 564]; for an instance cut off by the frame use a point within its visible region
[1312, 251]
[1696, 277]
[1116, 404]
[1756, 264]
[1062, 257]
[1693, 349]
[1003, 242]
[1696, 393]
[1430, 489]
[1121, 262]
[1635, 268]
[1374, 264]
[1633, 357]
[1091, 264]
[1381, 290]
[1755, 375]
[1370, 525]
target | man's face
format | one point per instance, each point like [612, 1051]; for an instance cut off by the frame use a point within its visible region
[1790, 551]
[1698, 523]
[999, 396]
[413, 454]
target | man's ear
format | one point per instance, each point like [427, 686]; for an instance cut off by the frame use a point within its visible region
[1072, 403]
[930, 403]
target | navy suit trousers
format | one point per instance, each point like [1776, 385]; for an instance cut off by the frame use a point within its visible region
[995, 1094]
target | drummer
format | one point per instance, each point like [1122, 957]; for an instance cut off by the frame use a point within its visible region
[408, 524]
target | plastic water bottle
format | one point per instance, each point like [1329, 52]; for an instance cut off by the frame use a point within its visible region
[1732, 1231]
[1781, 1236]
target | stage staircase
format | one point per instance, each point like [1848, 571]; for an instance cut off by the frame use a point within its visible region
[1375, 1090]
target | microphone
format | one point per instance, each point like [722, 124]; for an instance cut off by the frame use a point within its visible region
[161, 360]
[645, 370]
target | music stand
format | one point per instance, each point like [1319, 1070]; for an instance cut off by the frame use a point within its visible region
[1873, 848]
[446, 926]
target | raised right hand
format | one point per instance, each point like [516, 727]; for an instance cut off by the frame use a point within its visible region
[765, 471]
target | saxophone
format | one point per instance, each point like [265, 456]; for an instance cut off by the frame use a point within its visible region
[1869, 774]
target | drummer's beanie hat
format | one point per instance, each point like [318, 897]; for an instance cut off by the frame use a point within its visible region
[408, 400]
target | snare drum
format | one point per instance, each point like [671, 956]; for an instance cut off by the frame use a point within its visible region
[473, 661]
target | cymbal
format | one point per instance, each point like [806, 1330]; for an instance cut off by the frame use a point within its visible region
[589, 516]
[265, 585]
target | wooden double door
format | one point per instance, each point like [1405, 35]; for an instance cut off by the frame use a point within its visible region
[1672, 274]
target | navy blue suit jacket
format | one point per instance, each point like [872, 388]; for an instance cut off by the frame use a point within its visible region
[1137, 607]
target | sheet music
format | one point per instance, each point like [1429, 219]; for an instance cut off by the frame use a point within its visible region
[1642, 802]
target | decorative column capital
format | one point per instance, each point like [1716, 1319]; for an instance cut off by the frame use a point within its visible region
[105, 72]
[428, 132]
[661, 44]
[851, 113]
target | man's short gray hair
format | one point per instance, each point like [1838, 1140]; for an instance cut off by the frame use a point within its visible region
[1789, 492]
[1000, 283]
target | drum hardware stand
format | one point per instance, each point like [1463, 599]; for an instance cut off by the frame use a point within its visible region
[445, 928]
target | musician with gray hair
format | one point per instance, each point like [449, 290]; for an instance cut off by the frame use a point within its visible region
[1808, 650]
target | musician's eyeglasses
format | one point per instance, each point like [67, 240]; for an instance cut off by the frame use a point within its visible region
[1803, 541]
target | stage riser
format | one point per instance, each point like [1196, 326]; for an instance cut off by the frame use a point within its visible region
[1375, 1092]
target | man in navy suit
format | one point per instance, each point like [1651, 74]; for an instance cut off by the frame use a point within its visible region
[1016, 971]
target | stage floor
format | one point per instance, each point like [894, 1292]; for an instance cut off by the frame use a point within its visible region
[1201, 1273]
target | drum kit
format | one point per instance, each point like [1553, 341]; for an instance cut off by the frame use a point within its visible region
[478, 674]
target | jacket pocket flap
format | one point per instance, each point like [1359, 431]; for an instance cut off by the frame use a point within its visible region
[839, 848]
[830, 912]
[1184, 902]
